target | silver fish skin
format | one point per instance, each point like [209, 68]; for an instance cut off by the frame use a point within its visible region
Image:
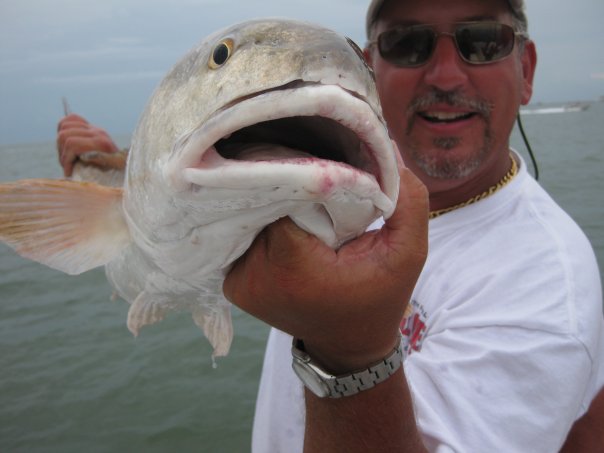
[264, 119]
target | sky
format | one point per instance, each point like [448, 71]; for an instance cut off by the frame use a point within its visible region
[106, 56]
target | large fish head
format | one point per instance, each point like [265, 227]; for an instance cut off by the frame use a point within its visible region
[258, 113]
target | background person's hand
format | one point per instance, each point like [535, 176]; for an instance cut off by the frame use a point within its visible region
[76, 136]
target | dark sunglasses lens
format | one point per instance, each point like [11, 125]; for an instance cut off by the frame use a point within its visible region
[484, 43]
[406, 47]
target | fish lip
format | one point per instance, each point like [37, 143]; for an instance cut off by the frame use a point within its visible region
[196, 152]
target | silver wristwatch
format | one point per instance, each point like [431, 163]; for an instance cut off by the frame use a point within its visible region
[324, 384]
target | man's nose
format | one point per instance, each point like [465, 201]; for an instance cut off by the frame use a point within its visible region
[446, 70]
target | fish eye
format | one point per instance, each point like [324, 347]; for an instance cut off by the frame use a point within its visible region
[221, 53]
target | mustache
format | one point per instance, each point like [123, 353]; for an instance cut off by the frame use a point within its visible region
[453, 98]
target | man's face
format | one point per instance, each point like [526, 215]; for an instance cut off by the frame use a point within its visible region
[451, 119]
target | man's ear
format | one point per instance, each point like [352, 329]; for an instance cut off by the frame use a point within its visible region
[529, 64]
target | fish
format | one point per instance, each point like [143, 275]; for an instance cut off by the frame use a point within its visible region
[107, 169]
[261, 120]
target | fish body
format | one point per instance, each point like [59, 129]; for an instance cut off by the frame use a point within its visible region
[261, 120]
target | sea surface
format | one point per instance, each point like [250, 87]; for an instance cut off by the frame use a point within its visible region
[73, 379]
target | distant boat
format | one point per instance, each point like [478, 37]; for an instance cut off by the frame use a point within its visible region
[574, 107]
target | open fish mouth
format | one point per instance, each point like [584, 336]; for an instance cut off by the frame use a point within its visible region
[304, 128]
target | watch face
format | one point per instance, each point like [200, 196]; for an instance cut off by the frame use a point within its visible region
[310, 379]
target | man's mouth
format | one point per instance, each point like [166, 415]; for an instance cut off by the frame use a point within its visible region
[445, 117]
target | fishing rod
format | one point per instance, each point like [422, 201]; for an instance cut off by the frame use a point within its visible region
[66, 109]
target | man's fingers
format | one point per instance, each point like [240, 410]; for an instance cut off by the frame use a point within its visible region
[233, 283]
[407, 228]
[71, 133]
[71, 120]
[290, 248]
[413, 201]
[79, 145]
[279, 254]
[283, 236]
[71, 148]
[412, 205]
[67, 164]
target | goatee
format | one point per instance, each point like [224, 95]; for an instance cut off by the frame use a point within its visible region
[449, 167]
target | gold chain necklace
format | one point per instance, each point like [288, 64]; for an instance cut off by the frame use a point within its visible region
[490, 191]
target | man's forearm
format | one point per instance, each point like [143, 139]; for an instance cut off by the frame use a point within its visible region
[367, 422]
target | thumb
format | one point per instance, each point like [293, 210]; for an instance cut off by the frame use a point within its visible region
[407, 228]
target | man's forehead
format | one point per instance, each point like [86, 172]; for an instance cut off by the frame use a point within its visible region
[516, 7]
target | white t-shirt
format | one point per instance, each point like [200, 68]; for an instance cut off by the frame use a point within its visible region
[504, 335]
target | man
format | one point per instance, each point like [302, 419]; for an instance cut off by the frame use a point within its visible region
[502, 330]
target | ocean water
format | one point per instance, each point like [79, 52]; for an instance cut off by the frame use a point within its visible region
[73, 379]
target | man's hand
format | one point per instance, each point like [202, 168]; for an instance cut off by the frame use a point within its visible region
[347, 304]
[77, 136]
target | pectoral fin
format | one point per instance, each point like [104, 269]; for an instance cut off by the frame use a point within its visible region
[216, 323]
[67, 225]
[144, 311]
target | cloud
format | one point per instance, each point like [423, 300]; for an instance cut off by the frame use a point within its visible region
[113, 50]
[598, 76]
[109, 78]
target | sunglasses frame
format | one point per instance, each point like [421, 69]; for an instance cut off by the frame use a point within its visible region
[437, 34]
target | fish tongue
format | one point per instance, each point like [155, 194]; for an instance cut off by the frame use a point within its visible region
[268, 151]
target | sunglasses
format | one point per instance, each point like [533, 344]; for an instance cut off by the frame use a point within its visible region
[476, 42]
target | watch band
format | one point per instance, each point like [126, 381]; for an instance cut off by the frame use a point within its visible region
[347, 384]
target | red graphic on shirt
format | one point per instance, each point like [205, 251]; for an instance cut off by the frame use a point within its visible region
[413, 329]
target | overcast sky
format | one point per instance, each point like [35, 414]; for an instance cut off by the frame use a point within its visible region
[106, 56]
